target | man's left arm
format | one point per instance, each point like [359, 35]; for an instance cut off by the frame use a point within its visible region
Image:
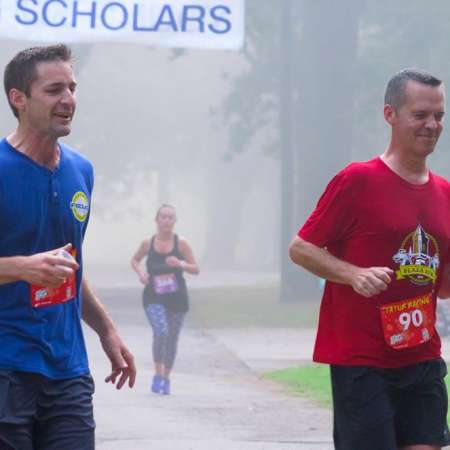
[96, 316]
[444, 289]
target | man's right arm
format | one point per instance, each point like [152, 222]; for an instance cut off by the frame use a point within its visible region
[43, 269]
[141, 253]
[365, 281]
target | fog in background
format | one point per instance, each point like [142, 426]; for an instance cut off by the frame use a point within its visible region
[225, 136]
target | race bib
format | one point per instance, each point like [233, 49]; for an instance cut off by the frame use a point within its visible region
[408, 323]
[165, 284]
[45, 296]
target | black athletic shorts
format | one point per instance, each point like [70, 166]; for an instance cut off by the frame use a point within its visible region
[37, 413]
[389, 408]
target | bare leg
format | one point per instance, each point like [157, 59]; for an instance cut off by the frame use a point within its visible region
[166, 372]
[160, 369]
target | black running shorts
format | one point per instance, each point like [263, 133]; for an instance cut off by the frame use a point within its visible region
[389, 408]
[43, 414]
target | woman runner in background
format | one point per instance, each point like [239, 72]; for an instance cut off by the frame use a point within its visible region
[165, 297]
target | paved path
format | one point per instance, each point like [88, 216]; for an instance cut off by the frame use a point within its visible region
[219, 400]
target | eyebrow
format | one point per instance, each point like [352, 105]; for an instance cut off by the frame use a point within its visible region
[60, 83]
[423, 111]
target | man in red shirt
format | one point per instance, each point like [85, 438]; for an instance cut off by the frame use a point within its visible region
[380, 236]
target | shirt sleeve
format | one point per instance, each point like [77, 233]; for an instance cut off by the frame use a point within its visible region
[333, 218]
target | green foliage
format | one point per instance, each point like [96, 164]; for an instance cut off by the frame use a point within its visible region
[391, 36]
[252, 106]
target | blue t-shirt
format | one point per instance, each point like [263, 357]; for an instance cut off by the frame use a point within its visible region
[41, 210]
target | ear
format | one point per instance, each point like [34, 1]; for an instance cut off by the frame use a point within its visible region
[389, 114]
[17, 98]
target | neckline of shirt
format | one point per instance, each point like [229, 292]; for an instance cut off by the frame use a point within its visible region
[406, 183]
[34, 163]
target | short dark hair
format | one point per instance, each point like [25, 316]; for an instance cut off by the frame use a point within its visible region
[20, 72]
[396, 88]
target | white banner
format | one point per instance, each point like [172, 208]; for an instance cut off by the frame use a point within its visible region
[170, 23]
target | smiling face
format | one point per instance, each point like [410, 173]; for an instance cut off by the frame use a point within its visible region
[49, 108]
[417, 123]
[165, 219]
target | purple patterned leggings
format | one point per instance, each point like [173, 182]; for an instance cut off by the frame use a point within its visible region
[166, 326]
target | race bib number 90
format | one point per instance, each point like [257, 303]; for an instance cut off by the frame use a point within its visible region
[408, 323]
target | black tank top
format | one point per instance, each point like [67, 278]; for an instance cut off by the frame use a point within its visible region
[167, 285]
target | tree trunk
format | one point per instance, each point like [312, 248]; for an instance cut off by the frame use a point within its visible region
[227, 192]
[323, 114]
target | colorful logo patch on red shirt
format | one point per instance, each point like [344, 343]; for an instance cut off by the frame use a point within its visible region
[418, 258]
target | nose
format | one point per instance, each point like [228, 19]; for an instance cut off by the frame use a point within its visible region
[68, 97]
[432, 123]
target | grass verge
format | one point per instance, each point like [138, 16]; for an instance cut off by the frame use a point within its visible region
[247, 306]
[313, 381]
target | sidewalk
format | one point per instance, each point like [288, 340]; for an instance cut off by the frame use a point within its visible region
[265, 349]
[219, 400]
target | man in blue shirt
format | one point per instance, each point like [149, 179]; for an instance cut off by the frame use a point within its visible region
[45, 193]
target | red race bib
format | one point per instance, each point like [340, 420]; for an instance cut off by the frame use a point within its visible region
[408, 323]
[45, 296]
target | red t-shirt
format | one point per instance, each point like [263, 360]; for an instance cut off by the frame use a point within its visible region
[369, 216]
